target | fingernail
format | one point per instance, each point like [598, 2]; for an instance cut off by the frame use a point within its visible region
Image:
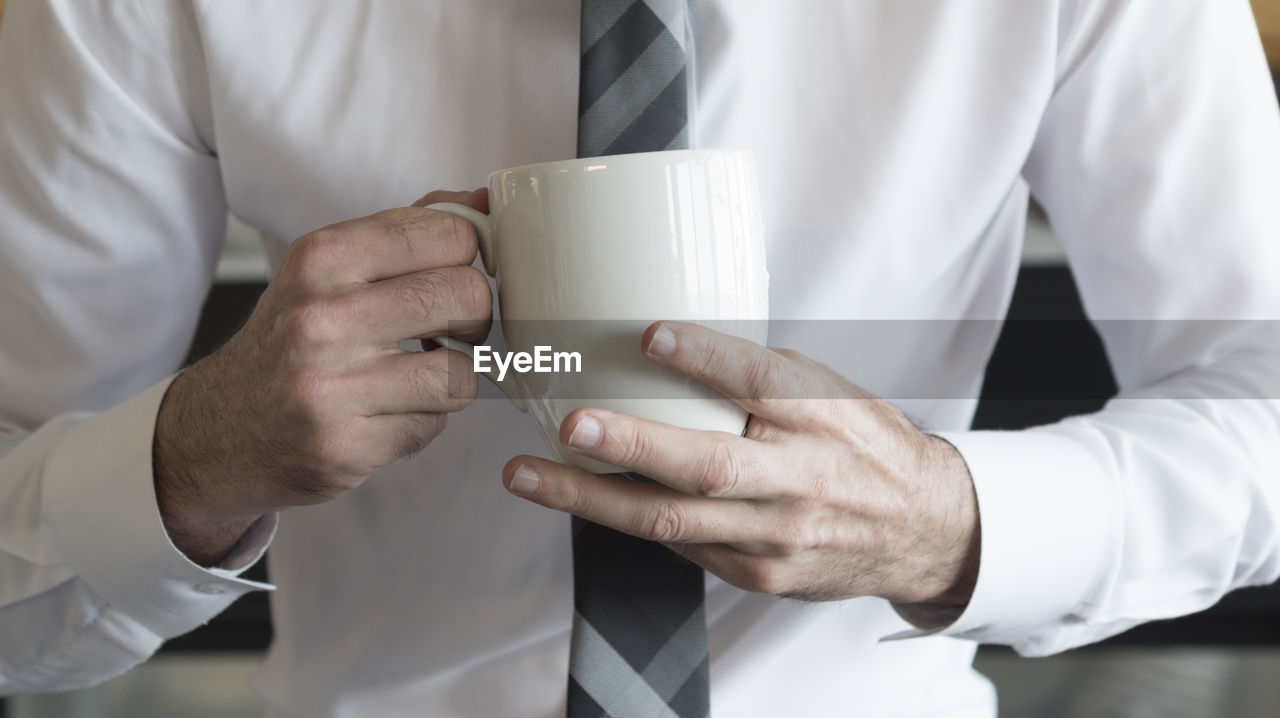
[663, 342]
[587, 434]
[524, 481]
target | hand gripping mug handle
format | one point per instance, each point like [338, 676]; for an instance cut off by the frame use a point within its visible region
[484, 238]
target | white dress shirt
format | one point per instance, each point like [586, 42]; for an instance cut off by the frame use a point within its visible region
[897, 141]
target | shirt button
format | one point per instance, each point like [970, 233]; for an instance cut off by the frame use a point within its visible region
[210, 589]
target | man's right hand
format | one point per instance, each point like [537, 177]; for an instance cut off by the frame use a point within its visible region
[314, 393]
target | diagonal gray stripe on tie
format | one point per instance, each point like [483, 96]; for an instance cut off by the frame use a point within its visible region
[679, 657]
[672, 13]
[630, 94]
[680, 141]
[604, 14]
[609, 679]
[660, 123]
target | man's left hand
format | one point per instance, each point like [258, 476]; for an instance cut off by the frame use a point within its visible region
[831, 493]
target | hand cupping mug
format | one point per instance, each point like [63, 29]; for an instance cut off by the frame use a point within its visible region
[587, 253]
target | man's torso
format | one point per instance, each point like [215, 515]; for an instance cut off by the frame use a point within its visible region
[889, 137]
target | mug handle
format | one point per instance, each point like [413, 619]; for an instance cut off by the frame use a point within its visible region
[484, 238]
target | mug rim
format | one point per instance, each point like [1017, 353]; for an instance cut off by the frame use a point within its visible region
[626, 158]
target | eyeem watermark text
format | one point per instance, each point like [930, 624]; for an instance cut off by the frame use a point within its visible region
[542, 361]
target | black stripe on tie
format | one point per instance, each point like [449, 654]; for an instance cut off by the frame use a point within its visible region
[614, 580]
[659, 124]
[582, 701]
[691, 699]
[616, 51]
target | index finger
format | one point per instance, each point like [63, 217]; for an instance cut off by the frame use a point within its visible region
[756, 377]
[711, 464]
[392, 243]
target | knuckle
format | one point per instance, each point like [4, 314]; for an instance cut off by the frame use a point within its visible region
[763, 576]
[764, 376]
[397, 225]
[666, 523]
[817, 489]
[475, 297]
[417, 433]
[452, 234]
[460, 235]
[721, 473]
[428, 380]
[423, 292]
[635, 448]
[434, 425]
[796, 535]
[434, 229]
[712, 361]
[450, 293]
[569, 496]
[312, 324]
[310, 254]
[443, 382]
[788, 541]
[463, 383]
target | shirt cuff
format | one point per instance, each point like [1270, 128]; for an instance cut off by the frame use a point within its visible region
[99, 499]
[1047, 536]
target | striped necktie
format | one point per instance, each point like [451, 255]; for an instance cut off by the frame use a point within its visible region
[639, 644]
[633, 88]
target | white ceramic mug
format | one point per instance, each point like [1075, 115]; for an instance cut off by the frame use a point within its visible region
[587, 253]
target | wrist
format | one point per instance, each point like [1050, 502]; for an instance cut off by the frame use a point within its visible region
[952, 574]
[198, 507]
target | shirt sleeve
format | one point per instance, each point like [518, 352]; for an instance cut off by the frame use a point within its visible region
[1158, 161]
[111, 215]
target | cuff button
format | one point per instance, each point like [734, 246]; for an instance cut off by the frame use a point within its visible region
[210, 589]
